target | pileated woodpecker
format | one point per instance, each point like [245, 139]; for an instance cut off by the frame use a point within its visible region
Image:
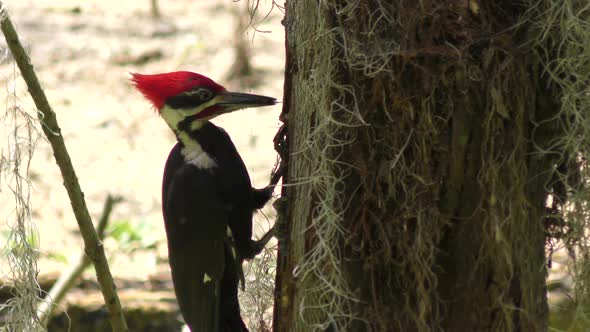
[207, 197]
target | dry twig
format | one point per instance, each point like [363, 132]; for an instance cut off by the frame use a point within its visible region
[92, 245]
[67, 280]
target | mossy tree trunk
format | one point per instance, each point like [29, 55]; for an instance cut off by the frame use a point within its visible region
[418, 138]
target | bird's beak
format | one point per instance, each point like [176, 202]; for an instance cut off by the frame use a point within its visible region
[227, 102]
[232, 101]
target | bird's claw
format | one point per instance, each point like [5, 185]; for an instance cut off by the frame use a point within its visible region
[262, 196]
[259, 245]
[277, 230]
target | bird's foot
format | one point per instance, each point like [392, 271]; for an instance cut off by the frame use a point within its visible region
[261, 196]
[260, 244]
[278, 230]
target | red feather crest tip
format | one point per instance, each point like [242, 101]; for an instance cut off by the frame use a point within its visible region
[159, 87]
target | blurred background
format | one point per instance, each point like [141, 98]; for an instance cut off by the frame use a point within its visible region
[83, 52]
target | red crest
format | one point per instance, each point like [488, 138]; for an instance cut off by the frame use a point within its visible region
[159, 87]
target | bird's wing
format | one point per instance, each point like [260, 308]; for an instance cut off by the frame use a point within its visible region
[196, 224]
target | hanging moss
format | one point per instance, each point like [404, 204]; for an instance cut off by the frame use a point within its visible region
[442, 146]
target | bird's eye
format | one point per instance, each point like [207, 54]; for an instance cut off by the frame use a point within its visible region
[202, 94]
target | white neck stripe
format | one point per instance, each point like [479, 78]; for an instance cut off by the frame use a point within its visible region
[192, 151]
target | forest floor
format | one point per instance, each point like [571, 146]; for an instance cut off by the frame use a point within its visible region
[83, 52]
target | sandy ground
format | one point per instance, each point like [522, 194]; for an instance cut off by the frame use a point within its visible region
[83, 52]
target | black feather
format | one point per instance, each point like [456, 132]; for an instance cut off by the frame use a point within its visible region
[198, 206]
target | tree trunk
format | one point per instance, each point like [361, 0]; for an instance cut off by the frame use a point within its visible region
[419, 137]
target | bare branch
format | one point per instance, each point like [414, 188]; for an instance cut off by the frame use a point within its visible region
[67, 280]
[92, 245]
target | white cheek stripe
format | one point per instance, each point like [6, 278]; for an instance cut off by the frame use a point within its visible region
[206, 278]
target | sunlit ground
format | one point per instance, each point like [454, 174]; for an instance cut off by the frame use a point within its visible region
[83, 52]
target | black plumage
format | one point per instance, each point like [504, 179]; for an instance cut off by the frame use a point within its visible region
[199, 204]
[208, 200]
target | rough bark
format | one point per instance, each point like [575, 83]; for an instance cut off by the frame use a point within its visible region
[435, 190]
